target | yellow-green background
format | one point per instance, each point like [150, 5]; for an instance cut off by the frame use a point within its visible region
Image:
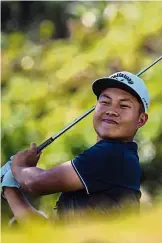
[46, 81]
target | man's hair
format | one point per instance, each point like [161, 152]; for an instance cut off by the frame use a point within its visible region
[141, 109]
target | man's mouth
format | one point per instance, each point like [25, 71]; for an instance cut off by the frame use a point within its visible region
[109, 121]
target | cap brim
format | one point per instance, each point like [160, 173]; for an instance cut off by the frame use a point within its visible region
[101, 84]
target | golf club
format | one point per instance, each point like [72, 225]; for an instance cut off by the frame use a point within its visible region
[54, 137]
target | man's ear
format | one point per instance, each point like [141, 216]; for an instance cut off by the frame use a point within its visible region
[142, 119]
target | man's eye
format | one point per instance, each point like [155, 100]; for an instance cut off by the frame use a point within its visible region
[125, 106]
[104, 102]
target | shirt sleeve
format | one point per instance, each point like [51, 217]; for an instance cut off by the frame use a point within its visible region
[99, 167]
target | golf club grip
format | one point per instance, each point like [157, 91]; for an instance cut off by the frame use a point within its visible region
[44, 145]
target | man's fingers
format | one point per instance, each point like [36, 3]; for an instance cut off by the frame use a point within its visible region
[33, 146]
[38, 155]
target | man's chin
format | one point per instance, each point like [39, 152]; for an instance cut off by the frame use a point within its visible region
[115, 137]
[110, 136]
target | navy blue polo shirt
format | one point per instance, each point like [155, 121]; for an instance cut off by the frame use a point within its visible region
[110, 172]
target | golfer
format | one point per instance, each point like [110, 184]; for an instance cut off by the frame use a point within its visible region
[101, 178]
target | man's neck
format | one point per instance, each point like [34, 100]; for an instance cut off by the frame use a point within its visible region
[124, 140]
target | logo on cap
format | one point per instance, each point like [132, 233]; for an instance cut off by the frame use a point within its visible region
[145, 102]
[124, 76]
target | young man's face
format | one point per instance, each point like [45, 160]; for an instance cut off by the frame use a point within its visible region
[117, 115]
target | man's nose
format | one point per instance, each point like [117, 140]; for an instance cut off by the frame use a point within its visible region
[112, 112]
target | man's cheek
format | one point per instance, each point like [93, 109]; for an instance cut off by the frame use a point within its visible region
[94, 120]
[96, 115]
[129, 124]
[96, 124]
[98, 108]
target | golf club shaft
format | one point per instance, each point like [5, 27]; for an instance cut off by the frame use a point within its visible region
[54, 137]
[149, 66]
[51, 139]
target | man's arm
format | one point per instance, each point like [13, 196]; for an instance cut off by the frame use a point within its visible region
[61, 178]
[20, 206]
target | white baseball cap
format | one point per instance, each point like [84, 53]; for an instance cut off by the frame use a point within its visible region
[124, 80]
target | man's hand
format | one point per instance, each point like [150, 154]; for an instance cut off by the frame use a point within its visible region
[26, 158]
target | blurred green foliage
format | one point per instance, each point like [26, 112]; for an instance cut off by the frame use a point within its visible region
[47, 83]
[145, 228]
